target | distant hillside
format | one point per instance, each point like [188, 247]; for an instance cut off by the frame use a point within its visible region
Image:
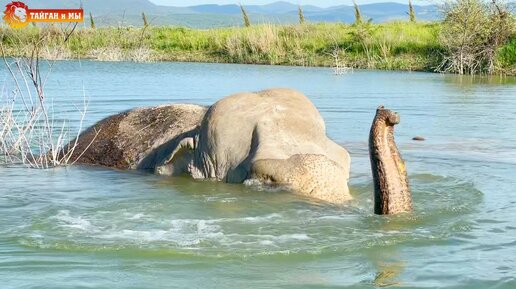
[114, 12]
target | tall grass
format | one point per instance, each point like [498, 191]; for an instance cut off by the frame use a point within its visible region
[92, 21]
[247, 22]
[145, 21]
[411, 13]
[300, 14]
[358, 14]
[394, 45]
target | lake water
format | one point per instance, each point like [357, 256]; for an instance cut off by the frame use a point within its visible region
[85, 227]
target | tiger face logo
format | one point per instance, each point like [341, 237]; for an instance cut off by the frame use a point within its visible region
[15, 14]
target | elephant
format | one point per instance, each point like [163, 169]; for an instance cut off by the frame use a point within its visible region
[275, 137]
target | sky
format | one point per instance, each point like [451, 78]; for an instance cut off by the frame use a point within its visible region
[320, 3]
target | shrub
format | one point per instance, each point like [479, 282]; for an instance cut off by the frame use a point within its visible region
[472, 33]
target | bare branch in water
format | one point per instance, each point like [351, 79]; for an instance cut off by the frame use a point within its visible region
[29, 134]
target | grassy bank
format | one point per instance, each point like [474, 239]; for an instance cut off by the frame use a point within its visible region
[393, 46]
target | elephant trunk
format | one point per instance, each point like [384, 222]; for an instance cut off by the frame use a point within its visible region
[391, 188]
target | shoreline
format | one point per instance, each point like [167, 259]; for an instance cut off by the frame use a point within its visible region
[394, 46]
[329, 68]
[485, 78]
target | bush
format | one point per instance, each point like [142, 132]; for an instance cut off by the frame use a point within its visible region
[473, 31]
[507, 57]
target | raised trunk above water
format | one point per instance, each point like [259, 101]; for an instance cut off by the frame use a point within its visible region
[391, 188]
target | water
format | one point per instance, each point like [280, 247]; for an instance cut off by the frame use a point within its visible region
[87, 227]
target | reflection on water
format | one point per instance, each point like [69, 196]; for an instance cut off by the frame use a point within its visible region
[136, 230]
[463, 81]
[387, 274]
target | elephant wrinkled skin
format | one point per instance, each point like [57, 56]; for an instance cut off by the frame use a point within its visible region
[275, 136]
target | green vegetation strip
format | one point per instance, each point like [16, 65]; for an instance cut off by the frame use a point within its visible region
[393, 46]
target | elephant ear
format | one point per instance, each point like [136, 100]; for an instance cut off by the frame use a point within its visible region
[179, 160]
